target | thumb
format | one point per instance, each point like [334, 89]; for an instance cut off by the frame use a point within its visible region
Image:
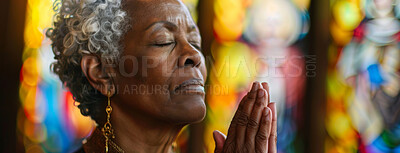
[219, 139]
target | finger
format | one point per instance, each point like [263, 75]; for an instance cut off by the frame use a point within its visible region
[232, 128]
[255, 117]
[266, 87]
[273, 136]
[219, 139]
[261, 144]
[243, 116]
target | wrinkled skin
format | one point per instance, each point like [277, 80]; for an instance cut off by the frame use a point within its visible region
[253, 128]
[158, 85]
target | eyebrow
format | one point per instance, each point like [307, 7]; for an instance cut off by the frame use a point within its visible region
[192, 28]
[170, 24]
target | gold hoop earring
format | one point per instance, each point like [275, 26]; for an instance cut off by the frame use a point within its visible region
[108, 132]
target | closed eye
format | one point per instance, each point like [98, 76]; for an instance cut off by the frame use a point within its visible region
[195, 45]
[163, 44]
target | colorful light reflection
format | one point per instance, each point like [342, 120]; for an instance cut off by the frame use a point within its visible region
[244, 31]
[359, 73]
[47, 120]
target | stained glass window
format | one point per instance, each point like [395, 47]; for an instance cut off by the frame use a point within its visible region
[363, 77]
[254, 42]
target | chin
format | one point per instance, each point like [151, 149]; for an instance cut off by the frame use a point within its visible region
[197, 115]
[189, 111]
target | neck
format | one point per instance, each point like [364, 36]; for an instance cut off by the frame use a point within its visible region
[135, 132]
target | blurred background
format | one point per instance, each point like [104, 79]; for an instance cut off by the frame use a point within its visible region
[332, 65]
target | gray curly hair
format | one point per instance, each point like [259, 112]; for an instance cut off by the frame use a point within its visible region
[85, 27]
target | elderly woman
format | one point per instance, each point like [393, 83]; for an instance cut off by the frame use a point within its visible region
[136, 68]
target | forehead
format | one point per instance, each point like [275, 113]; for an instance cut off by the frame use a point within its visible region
[144, 12]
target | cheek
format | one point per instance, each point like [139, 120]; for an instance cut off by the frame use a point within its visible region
[204, 72]
[149, 97]
[146, 69]
[142, 85]
[157, 72]
[154, 86]
[203, 69]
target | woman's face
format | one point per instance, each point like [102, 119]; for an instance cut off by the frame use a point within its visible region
[161, 70]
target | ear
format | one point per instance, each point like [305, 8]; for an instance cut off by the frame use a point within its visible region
[96, 73]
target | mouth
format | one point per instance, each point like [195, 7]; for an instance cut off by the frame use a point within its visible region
[195, 86]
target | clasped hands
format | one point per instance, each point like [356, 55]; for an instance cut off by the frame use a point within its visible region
[253, 128]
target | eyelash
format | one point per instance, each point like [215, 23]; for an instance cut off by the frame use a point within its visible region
[170, 43]
[163, 44]
[196, 46]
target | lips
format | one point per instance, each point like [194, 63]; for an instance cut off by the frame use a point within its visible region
[191, 86]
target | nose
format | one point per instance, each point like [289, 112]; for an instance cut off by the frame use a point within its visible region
[190, 57]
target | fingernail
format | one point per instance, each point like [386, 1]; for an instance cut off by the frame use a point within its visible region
[267, 85]
[275, 114]
[260, 93]
[255, 86]
[215, 133]
[272, 106]
[267, 111]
